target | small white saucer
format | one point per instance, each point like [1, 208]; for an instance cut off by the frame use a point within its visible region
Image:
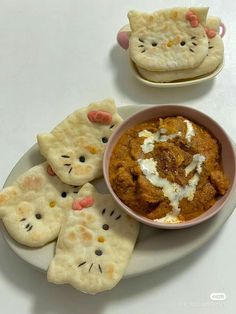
[179, 83]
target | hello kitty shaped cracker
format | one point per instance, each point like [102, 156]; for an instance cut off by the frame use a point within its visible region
[95, 243]
[167, 40]
[75, 148]
[214, 57]
[33, 207]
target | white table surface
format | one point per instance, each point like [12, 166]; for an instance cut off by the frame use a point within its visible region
[58, 55]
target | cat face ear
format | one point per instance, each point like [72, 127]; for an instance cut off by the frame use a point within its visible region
[213, 22]
[86, 190]
[45, 141]
[201, 14]
[139, 20]
[8, 196]
[107, 105]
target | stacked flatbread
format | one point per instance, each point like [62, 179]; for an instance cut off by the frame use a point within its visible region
[175, 44]
[96, 238]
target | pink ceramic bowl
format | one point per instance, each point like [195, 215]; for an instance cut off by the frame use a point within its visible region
[228, 158]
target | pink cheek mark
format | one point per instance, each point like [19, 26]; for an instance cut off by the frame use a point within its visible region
[123, 40]
[50, 171]
[194, 23]
[188, 15]
[211, 33]
[84, 203]
[87, 201]
[192, 18]
[76, 205]
[98, 116]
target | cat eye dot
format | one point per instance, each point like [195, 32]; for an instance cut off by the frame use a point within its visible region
[105, 227]
[82, 159]
[182, 43]
[154, 44]
[98, 252]
[63, 194]
[38, 216]
[104, 139]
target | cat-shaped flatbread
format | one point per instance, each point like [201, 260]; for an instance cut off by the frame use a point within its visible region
[211, 61]
[75, 148]
[163, 40]
[33, 207]
[95, 243]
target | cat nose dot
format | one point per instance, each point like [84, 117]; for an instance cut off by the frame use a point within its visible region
[154, 44]
[38, 216]
[101, 239]
[98, 252]
[82, 159]
[182, 43]
[105, 227]
[52, 204]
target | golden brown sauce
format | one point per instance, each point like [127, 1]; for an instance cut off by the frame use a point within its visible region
[171, 157]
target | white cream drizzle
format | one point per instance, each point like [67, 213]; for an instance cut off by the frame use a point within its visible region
[169, 218]
[197, 161]
[151, 138]
[160, 136]
[173, 191]
[190, 131]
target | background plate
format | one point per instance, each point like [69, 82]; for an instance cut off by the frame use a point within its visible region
[154, 249]
[179, 83]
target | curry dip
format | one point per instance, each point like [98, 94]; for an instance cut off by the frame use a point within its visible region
[168, 168]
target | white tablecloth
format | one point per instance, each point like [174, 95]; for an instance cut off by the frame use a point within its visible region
[58, 55]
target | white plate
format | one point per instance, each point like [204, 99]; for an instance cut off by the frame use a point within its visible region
[155, 248]
[180, 83]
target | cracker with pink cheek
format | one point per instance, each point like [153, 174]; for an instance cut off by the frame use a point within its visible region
[210, 63]
[74, 149]
[163, 40]
[95, 243]
[32, 209]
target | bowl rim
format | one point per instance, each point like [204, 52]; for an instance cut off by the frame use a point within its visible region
[145, 220]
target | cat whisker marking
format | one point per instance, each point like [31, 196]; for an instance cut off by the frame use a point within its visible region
[90, 267]
[194, 44]
[191, 49]
[103, 211]
[112, 212]
[143, 51]
[141, 46]
[100, 268]
[30, 228]
[67, 165]
[70, 170]
[118, 217]
[141, 40]
[81, 264]
[194, 37]
[23, 219]
[65, 156]
[210, 47]
[27, 226]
